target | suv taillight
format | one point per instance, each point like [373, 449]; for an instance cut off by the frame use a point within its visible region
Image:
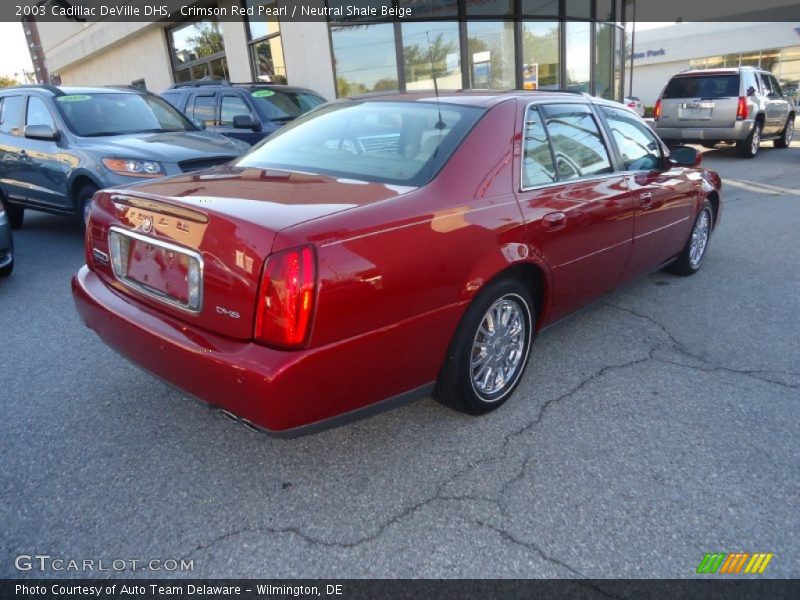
[286, 298]
[657, 110]
[741, 109]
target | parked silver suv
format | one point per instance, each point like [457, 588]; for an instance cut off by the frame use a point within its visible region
[743, 106]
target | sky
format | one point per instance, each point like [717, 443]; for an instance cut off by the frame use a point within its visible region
[15, 56]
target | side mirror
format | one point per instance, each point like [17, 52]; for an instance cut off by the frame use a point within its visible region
[244, 122]
[42, 132]
[198, 124]
[685, 156]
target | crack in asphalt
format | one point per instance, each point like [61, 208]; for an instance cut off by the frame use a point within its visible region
[502, 453]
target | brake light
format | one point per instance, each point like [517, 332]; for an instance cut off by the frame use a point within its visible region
[657, 110]
[631, 104]
[741, 109]
[286, 298]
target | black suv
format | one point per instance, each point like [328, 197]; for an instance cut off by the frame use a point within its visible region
[245, 111]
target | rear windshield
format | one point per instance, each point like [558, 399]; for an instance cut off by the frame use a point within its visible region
[703, 86]
[102, 114]
[404, 143]
[279, 105]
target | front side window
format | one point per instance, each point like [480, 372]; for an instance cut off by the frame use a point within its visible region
[38, 114]
[402, 143]
[11, 114]
[232, 106]
[537, 160]
[638, 147]
[577, 143]
[118, 114]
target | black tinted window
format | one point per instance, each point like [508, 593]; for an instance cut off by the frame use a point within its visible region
[11, 114]
[203, 110]
[577, 144]
[537, 160]
[703, 86]
[38, 113]
[638, 146]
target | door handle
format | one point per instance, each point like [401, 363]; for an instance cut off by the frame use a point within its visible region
[645, 199]
[554, 221]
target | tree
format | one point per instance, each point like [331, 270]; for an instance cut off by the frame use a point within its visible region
[419, 58]
[6, 81]
[208, 40]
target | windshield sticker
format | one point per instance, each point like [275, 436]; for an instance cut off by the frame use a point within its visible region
[74, 98]
[262, 94]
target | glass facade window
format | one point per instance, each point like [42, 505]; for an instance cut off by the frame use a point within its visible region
[198, 50]
[503, 44]
[579, 68]
[266, 49]
[365, 58]
[540, 8]
[490, 8]
[432, 49]
[490, 48]
[603, 61]
[540, 55]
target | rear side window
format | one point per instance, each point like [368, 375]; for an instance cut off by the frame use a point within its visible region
[537, 159]
[637, 145]
[38, 113]
[11, 114]
[203, 109]
[750, 83]
[577, 143]
[766, 84]
[703, 86]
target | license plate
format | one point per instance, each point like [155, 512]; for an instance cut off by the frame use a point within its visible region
[157, 269]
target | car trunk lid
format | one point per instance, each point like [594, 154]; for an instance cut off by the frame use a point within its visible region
[194, 246]
[707, 101]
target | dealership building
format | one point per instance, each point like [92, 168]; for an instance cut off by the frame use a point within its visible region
[661, 52]
[495, 44]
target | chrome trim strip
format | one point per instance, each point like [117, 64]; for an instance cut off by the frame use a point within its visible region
[144, 290]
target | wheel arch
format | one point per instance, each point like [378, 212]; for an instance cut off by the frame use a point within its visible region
[533, 276]
[77, 181]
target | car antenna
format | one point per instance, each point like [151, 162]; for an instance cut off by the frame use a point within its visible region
[440, 124]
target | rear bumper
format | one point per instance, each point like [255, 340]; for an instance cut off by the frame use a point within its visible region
[289, 393]
[739, 131]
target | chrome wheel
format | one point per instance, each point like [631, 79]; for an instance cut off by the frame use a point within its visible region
[499, 347]
[754, 145]
[788, 132]
[702, 229]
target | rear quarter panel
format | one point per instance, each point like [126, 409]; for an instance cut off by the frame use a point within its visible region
[422, 256]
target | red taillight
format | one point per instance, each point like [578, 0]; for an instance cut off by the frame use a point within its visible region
[741, 109]
[631, 104]
[286, 298]
[657, 110]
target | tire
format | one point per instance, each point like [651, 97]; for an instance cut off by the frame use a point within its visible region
[459, 385]
[786, 134]
[83, 202]
[689, 261]
[6, 271]
[15, 214]
[748, 148]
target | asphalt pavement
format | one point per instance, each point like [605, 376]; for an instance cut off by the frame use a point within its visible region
[651, 428]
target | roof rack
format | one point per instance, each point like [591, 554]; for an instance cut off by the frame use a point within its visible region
[42, 86]
[200, 83]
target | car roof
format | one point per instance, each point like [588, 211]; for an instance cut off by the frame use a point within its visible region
[481, 98]
[70, 90]
[201, 85]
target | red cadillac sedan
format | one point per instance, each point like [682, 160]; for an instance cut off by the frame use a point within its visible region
[387, 247]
